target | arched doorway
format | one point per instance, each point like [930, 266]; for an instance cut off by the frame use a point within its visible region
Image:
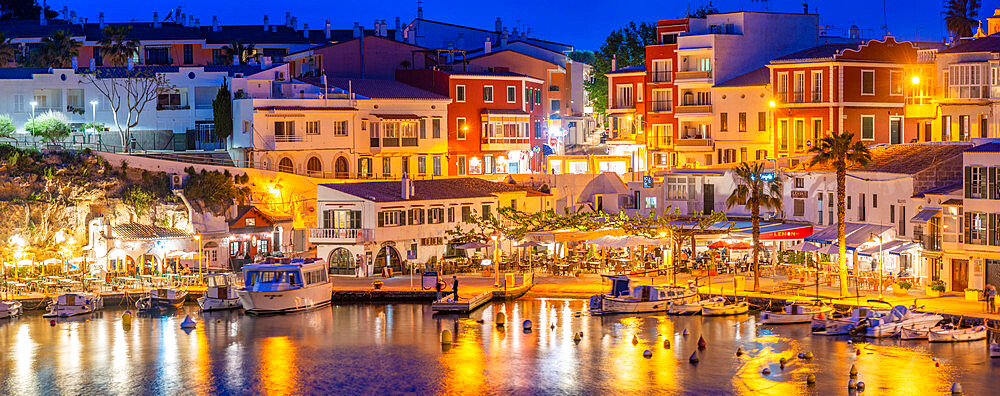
[340, 168]
[149, 264]
[388, 256]
[314, 167]
[285, 165]
[341, 262]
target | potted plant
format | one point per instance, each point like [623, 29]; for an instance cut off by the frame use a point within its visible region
[377, 284]
[901, 288]
[935, 289]
[972, 294]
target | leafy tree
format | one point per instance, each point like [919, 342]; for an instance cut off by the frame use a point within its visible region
[116, 47]
[127, 94]
[841, 151]
[703, 11]
[216, 190]
[23, 10]
[755, 193]
[243, 52]
[587, 57]
[138, 199]
[8, 51]
[628, 46]
[55, 50]
[51, 126]
[222, 109]
[7, 127]
[960, 17]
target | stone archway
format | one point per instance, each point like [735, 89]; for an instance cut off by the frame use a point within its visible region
[341, 168]
[388, 256]
[286, 165]
[342, 262]
[314, 167]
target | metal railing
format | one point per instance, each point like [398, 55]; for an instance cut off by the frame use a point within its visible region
[658, 106]
[661, 76]
[336, 233]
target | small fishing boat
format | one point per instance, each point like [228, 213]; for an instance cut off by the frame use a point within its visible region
[72, 304]
[285, 285]
[995, 350]
[833, 323]
[694, 308]
[798, 312]
[162, 298]
[952, 333]
[9, 309]
[644, 298]
[907, 333]
[899, 317]
[220, 293]
[739, 308]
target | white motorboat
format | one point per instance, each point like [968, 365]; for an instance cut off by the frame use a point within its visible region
[220, 293]
[162, 298]
[9, 309]
[913, 333]
[739, 308]
[285, 285]
[794, 313]
[72, 304]
[950, 333]
[899, 317]
[644, 298]
[694, 308]
[832, 324]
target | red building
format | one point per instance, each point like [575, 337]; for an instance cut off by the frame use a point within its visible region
[495, 119]
[854, 87]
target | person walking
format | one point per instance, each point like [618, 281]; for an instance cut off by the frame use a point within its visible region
[454, 286]
[437, 287]
[991, 293]
[357, 265]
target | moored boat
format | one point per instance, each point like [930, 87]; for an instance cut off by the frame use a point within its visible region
[162, 298]
[72, 304]
[952, 333]
[285, 285]
[641, 299]
[899, 317]
[794, 313]
[739, 308]
[832, 323]
[220, 293]
[694, 308]
[995, 350]
[907, 333]
[9, 309]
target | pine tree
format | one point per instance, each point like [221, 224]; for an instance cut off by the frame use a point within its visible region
[222, 107]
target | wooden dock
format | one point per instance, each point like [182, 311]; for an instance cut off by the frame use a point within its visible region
[465, 305]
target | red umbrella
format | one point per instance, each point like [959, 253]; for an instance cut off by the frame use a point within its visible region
[718, 245]
[740, 246]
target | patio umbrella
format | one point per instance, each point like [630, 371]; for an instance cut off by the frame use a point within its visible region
[718, 245]
[829, 249]
[741, 246]
[472, 245]
[51, 261]
[803, 247]
[528, 244]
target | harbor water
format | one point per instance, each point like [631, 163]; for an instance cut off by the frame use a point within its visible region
[396, 348]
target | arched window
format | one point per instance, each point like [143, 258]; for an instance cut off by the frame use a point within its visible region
[285, 165]
[340, 168]
[314, 167]
[341, 262]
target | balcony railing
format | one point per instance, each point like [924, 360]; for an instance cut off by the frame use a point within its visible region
[660, 106]
[692, 109]
[932, 242]
[291, 138]
[331, 234]
[624, 105]
[686, 75]
[661, 76]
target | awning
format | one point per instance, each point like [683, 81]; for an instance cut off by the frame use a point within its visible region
[505, 112]
[904, 248]
[854, 233]
[803, 247]
[398, 116]
[569, 235]
[864, 234]
[886, 247]
[778, 232]
[925, 215]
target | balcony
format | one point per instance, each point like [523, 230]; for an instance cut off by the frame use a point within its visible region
[931, 242]
[920, 110]
[693, 145]
[660, 106]
[623, 106]
[694, 110]
[338, 235]
[500, 143]
[693, 75]
[661, 76]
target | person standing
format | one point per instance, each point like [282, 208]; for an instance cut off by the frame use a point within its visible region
[454, 286]
[991, 293]
[437, 287]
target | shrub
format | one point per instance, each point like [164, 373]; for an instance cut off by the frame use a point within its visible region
[904, 285]
[138, 199]
[51, 126]
[7, 127]
[938, 286]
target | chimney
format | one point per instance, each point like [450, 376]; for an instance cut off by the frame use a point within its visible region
[156, 20]
[305, 30]
[295, 23]
[288, 18]
[215, 23]
[515, 34]
[65, 11]
[265, 61]
[527, 32]
[398, 33]
[357, 30]
[265, 23]
[405, 186]
[41, 16]
[72, 17]
[499, 25]
[190, 20]
[375, 29]
[487, 46]
[74, 62]
[182, 20]
[614, 62]
[197, 22]
[385, 28]
[100, 20]
[93, 64]
[503, 38]
[420, 12]
[326, 30]
[178, 15]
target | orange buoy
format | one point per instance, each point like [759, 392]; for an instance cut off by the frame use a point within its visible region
[701, 342]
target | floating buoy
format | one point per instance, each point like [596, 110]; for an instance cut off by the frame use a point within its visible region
[218, 321]
[766, 371]
[500, 319]
[552, 327]
[666, 344]
[851, 384]
[956, 388]
[647, 354]
[854, 371]
[861, 386]
[127, 318]
[694, 357]
[685, 332]
[739, 351]
[937, 364]
[188, 323]
[701, 342]
[446, 337]
[859, 352]
[52, 322]
[781, 366]
[526, 325]
[811, 379]
[849, 342]
[808, 355]
[782, 361]
[635, 340]
[576, 338]
[801, 355]
[581, 334]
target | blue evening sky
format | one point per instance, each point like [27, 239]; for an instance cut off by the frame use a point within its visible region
[583, 23]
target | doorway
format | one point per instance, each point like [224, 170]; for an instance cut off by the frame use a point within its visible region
[895, 130]
[959, 275]
[708, 191]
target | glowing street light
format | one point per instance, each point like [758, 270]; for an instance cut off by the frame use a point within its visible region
[496, 257]
[915, 80]
[33, 104]
[197, 237]
[772, 104]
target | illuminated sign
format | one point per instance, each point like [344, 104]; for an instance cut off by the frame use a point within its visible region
[795, 233]
[647, 181]
[475, 166]
[501, 165]
[800, 194]
[767, 176]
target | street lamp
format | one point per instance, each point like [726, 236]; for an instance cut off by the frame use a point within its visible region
[880, 258]
[93, 110]
[33, 104]
[915, 80]
[496, 257]
[197, 237]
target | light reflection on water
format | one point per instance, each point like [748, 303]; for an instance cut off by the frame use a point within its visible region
[396, 349]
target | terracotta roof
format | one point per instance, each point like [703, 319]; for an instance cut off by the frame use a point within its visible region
[983, 44]
[144, 231]
[823, 52]
[946, 189]
[628, 69]
[991, 147]
[905, 158]
[398, 116]
[760, 76]
[953, 202]
[426, 190]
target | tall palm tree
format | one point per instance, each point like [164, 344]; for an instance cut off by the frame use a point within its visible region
[960, 16]
[56, 50]
[841, 151]
[755, 192]
[116, 47]
[244, 52]
[8, 51]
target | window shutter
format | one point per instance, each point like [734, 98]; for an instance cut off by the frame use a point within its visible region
[402, 217]
[968, 182]
[968, 227]
[381, 219]
[423, 216]
[991, 228]
[991, 183]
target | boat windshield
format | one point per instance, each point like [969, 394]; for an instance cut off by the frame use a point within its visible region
[218, 280]
[273, 280]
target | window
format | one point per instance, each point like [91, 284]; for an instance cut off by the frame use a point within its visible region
[976, 178]
[829, 206]
[650, 202]
[284, 128]
[188, 54]
[556, 105]
[867, 82]
[848, 201]
[896, 83]
[168, 100]
[867, 127]
[638, 92]
[817, 86]
[976, 228]
[662, 100]
[704, 64]
[460, 93]
[723, 122]
[488, 165]
[800, 182]
[945, 128]
[312, 127]
[451, 214]
[783, 135]
[861, 207]
[98, 59]
[405, 167]
[783, 87]
[436, 128]
[314, 167]
[965, 81]
[415, 216]
[423, 129]
[246, 126]
[761, 121]
[461, 128]
[488, 94]
[662, 70]
[390, 218]
[486, 211]
[983, 126]
[511, 94]
[339, 128]
[435, 215]
[963, 127]
[19, 103]
[892, 213]
[800, 135]
[421, 165]
[386, 167]
[742, 122]
[874, 200]
[817, 131]
[466, 213]
[819, 208]
[461, 165]
[798, 207]
[677, 188]
[799, 87]
[437, 166]
[623, 96]
[285, 165]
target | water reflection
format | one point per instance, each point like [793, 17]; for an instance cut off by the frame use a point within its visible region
[396, 349]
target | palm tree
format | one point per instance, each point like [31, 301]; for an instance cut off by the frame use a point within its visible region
[244, 52]
[8, 51]
[116, 47]
[960, 16]
[56, 50]
[841, 151]
[755, 192]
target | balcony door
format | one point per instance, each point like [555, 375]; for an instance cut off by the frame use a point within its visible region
[895, 130]
[959, 274]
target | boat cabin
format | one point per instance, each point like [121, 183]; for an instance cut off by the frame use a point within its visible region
[284, 274]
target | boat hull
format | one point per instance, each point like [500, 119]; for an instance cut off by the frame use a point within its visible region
[603, 304]
[726, 310]
[264, 302]
[9, 309]
[695, 307]
[957, 335]
[89, 304]
[891, 329]
[217, 304]
[912, 334]
[804, 315]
